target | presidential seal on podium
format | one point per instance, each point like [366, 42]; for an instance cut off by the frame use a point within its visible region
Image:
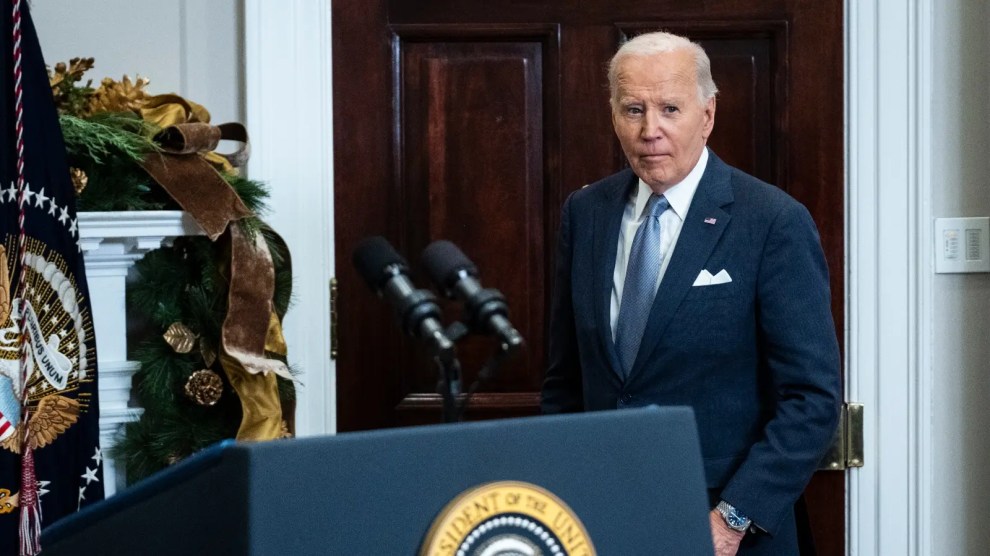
[507, 517]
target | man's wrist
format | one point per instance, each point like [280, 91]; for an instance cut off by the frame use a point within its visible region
[733, 518]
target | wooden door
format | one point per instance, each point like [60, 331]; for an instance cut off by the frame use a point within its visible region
[472, 121]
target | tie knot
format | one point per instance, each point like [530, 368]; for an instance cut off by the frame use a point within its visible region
[656, 205]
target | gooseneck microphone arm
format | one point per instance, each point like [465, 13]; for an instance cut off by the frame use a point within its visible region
[418, 312]
[485, 308]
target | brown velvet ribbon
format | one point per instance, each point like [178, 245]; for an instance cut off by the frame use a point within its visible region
[199, 190]
[245, 334]
[251, 325]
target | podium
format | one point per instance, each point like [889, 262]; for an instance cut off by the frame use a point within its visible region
[610, 483]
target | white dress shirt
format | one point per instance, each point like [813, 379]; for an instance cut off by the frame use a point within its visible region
[679, 196]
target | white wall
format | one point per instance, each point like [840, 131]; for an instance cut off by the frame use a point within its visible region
[961, 302]
[190, 47]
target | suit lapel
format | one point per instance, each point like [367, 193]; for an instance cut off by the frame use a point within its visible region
[608, 220]
[694, 246]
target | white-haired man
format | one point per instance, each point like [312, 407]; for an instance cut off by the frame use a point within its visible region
[684, 281]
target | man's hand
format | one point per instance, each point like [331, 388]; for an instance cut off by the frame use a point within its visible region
[725, 539]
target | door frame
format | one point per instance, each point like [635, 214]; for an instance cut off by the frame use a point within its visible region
[289, 112]
[889, 272]
[888, 211]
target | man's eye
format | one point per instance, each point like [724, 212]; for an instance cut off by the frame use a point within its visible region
[634, 110]
[670, 109]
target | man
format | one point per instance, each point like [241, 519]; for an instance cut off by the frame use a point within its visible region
[684, 281]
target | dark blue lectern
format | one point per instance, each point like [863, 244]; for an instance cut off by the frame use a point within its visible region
[614, 483]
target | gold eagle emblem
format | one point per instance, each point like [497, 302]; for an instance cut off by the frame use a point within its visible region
[54, 415]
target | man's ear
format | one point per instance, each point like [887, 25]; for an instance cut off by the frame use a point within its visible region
[709, 118]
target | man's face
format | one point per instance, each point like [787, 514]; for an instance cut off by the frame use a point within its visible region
[660, 122]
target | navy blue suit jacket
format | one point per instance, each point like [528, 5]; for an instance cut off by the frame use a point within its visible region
[757, 358]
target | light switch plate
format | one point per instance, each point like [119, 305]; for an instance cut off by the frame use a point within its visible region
[962, 244]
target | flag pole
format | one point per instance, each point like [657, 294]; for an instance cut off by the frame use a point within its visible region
[30, 526]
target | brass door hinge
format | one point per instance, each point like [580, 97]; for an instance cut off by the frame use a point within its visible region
[847, 445]
[333, 318]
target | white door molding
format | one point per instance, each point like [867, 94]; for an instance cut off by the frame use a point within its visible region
[290, 117]
[888, 272]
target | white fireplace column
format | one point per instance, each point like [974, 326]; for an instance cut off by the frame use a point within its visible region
[111, 243]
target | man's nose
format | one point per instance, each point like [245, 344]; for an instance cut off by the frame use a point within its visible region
[652, 126]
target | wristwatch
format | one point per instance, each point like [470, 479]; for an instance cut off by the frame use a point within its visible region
[732, 517]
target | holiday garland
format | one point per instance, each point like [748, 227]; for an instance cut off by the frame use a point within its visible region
[190, 384]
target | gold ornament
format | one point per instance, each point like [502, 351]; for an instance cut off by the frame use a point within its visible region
[68, 96]
[119, 96]
[206, 350]
[180, 337]
[204, 387]
[73, 73]
[285, 430]
[79, 180]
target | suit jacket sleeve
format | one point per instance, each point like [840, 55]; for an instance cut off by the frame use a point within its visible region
[800, 350]
[562, 391]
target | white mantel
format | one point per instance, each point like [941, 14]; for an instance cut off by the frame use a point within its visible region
[111, 243]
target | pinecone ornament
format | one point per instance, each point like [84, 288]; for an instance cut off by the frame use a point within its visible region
[204, 387]
[119, 96]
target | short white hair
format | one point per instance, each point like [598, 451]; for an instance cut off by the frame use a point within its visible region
[655, 43]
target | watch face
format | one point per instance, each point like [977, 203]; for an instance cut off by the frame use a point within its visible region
[735, 520]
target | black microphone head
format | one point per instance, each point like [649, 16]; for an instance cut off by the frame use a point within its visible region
[375, 259]
[443, 261]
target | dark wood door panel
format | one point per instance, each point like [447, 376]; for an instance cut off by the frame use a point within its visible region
[599, 12]
[473, 171]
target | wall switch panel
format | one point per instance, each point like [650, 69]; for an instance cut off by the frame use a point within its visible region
[962, 244]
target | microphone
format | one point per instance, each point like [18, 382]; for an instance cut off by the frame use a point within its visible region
[387, 274]
[456, 277]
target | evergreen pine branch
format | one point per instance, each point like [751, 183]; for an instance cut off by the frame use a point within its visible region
[154, 442]
[115, 185]
[106, 136]
[282, 262]
[162, 279]
[162, 374]
[253, 193]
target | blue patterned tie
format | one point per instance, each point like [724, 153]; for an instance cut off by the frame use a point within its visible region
[639, 288]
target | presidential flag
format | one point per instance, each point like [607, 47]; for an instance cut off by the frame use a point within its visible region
[50, 459]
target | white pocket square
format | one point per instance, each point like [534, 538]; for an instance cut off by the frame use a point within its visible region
[705, 278]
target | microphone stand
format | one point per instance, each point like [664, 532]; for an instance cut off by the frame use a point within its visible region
[450, 383]
[449, 387]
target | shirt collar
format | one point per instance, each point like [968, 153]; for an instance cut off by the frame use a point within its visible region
[680, 195]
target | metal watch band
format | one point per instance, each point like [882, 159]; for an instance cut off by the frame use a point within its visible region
[732, 517]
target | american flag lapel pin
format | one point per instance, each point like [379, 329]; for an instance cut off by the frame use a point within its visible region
[709, 220]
